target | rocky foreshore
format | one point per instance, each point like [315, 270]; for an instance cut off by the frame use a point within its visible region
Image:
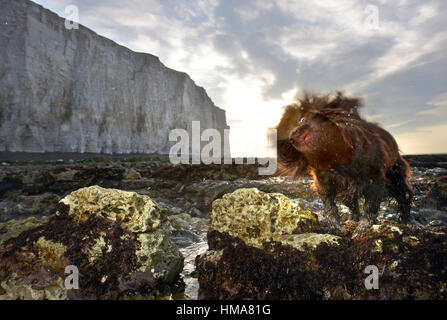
[266, 246]
[72, 90]
[119, 242]
[30, 193]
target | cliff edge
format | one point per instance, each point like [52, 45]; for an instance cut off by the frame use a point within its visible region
[74, 91]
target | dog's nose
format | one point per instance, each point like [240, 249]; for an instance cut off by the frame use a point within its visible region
[293, 136]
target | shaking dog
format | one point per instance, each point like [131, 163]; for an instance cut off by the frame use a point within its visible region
[324, 137]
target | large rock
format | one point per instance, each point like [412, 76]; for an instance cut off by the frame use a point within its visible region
[265, 246]
[75, 91]
[119, 241]
[24, 206]
[13, 228]
[257, 217]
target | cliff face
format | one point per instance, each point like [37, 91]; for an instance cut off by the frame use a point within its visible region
[75, 91]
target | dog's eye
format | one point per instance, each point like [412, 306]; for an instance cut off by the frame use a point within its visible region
[302, 120]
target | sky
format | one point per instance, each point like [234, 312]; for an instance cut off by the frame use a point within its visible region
[254, 56]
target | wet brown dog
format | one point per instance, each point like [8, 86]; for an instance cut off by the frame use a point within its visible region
[325, 138]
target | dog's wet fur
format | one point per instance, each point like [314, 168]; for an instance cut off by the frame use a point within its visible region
[324, 137]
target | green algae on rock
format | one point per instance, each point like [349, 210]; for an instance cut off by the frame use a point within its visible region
[119, 241]
[134, 212]
[12, 228]
[252, 256]
[257, 217]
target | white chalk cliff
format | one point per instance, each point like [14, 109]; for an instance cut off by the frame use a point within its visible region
[74, 91]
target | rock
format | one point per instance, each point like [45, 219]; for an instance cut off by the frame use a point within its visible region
[257, 217]
[265, 246]
[429, 215]
[436, 195]
[430, 205]
[119, 241]
[187, 230]
[131, 174]
[187, 192]
[24, 206]
[75, 91]
[9, 183]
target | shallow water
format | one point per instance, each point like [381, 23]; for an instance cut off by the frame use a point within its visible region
[190, 253]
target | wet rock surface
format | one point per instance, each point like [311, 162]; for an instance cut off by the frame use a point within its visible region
[411, 266]
[119, 242]
[30, 192]
[275, 253]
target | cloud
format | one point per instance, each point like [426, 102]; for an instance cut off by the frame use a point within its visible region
[253, 56]
[440, 103]
[374, 117]
[251, 10]
[425, 12]
[400, 124]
